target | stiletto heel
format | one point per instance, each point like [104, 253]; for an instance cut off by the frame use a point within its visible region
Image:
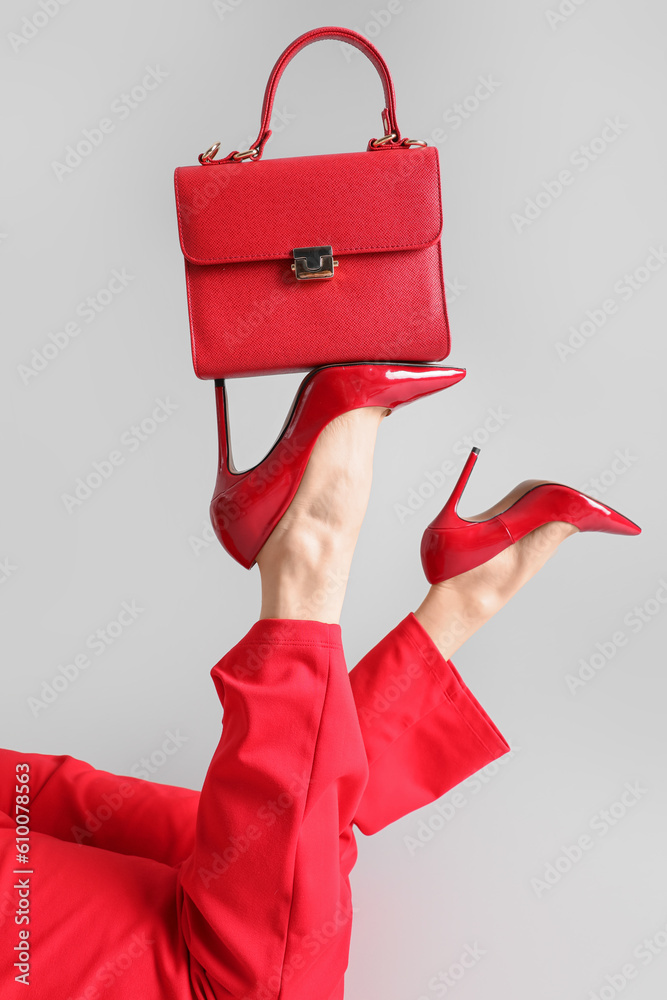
[449, 510]
[452, 545]
[246, 506]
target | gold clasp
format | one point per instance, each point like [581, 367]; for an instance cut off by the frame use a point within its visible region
[313, 262]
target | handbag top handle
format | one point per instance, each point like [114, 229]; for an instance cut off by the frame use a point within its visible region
[392, 137]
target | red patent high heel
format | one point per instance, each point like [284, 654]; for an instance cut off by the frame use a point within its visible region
[246, 506]
[451, 544]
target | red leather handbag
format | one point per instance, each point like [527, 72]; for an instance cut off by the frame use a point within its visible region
[297, 262]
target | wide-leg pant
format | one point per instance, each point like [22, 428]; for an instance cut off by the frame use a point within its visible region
[134, 889]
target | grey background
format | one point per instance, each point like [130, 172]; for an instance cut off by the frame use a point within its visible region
[513, 298]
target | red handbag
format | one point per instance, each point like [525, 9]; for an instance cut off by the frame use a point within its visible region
[297, 262]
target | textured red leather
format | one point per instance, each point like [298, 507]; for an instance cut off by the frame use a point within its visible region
[380, 211]
[357, 202]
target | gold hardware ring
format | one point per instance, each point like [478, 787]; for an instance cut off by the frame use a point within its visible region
[385, 138]
[246, 154]
[211, 152]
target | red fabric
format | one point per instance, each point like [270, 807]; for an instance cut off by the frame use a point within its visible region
[241, 891]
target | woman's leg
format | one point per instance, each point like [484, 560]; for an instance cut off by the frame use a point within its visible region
[265, 896]
[272, 847]
[73, 801]
[397, 686]
[261, 907]
[454, 610]
[423, 729]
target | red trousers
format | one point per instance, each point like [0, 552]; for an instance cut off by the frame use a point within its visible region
[142, 891]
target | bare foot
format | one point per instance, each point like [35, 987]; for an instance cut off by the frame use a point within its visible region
[454, 609]
[305, 562]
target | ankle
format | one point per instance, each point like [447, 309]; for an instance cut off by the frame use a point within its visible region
[454, 609]
[306, 560]
[304, 571]
[451, 615]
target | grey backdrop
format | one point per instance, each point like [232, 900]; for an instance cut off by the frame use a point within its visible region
[556, 290]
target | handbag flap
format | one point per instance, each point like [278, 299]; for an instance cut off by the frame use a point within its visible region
[379, 200]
